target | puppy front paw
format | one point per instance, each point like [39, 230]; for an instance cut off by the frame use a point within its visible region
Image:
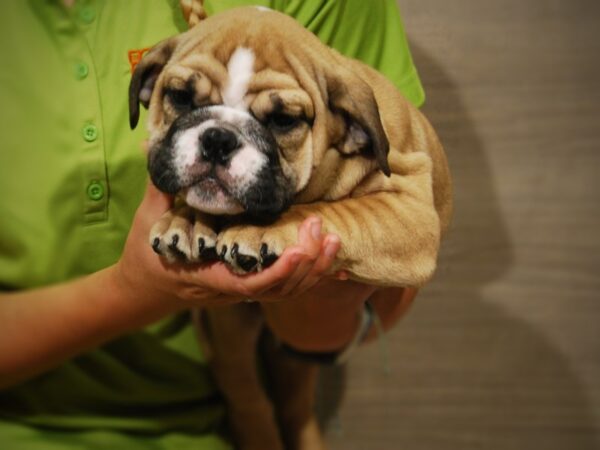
[237, 247]
[247, 248]
[184, 235]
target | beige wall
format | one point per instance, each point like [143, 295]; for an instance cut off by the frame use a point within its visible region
[502, 350]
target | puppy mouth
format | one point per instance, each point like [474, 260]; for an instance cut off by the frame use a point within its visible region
[209, 195]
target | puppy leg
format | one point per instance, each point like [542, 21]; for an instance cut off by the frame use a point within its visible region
[293, 383]
[233, 333]
[390, 232]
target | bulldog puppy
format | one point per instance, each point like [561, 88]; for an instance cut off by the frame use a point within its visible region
[256, 125]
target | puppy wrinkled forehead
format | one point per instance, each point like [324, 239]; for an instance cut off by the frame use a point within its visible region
[215, 113]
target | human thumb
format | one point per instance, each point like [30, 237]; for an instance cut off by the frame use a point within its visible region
[155, 202]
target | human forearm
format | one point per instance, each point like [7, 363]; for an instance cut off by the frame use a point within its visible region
[327, 317]
[323, 319]
[43, 327]
[390, 305]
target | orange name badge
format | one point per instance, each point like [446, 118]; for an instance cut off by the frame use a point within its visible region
[135, 56]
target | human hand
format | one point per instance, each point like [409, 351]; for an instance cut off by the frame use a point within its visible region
[173, 286]
[315, 253]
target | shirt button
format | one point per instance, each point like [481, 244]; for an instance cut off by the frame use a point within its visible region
[81, 70]
[95, 191]
[90, 133]
[87, 14]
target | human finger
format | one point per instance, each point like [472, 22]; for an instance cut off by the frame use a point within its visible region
[155, 203]
[253, 284]
[294, 260]
[319, 266]
[310, 240]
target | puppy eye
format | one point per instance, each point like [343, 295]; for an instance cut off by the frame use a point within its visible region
[181, 99]
[282, 122]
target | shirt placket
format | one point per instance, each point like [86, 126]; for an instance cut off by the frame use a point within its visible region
[71, 27]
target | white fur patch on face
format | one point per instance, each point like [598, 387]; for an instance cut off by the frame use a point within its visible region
[231, 115]
[246, 165]
[185, 149]
[263, 8]
[240, 69]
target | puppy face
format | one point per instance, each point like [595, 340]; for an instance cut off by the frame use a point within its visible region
[244, 108]
[222, 161]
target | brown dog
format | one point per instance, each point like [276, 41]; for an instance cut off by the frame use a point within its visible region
[256, 125]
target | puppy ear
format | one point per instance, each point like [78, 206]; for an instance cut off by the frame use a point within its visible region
[353, 98]
[145, 75]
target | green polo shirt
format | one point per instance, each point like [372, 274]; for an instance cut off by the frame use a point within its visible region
[71, 177]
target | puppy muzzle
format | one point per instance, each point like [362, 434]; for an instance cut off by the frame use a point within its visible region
[221, 161]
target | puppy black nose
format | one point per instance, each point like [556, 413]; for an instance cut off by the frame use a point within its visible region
[218, 143]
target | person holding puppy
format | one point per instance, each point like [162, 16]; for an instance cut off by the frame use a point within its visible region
[96, 343]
